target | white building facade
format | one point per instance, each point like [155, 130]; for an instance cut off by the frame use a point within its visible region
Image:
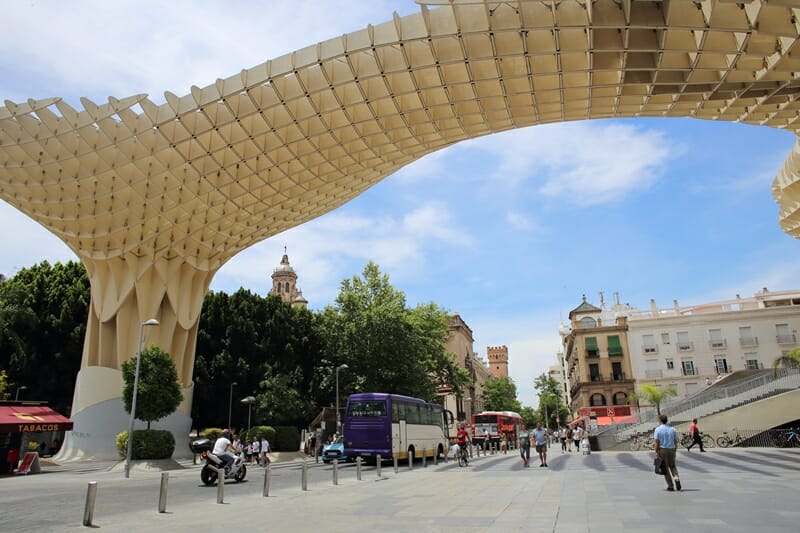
[687, 347]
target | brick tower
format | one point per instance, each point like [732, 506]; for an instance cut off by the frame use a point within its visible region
[498, 360]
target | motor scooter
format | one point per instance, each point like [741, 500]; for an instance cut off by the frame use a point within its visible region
[211, 463]
[208, 474]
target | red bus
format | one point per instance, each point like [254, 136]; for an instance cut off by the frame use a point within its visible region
[494, 424]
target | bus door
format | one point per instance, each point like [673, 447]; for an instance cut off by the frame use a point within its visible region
[401, 438]
[449, 422]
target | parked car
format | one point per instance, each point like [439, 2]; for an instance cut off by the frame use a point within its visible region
[334, 450]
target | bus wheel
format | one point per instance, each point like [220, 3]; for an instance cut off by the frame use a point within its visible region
[411, 455]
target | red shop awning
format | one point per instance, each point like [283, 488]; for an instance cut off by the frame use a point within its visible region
[31, 418]
[607, 420]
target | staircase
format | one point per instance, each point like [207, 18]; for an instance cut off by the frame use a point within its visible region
[737, 390]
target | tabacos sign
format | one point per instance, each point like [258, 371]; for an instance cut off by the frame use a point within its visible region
[35, 423]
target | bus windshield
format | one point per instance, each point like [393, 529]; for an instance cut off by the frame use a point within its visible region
[366, 408]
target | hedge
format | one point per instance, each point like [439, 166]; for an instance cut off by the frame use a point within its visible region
[147, 444]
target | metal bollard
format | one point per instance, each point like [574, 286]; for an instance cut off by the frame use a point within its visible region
[358, 468]
[221, 485]
[162, 495]
[424, 458]
[436, 458]
[88, 510]
[395, 463]
[378, 462]
[304, 476]
[267, 480]
[410, 462]
[336, 471]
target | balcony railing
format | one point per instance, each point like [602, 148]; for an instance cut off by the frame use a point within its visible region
[717, 344]
[786, 339]
[748, 341]
[689, 372]
[653, 373]
[685, 346]
[650, 348]
[619, 377]
[596, 377]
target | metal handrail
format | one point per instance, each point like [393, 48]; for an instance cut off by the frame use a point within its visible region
[700, 404]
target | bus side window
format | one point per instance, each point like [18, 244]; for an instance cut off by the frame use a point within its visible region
[395, 412]
[413, 412]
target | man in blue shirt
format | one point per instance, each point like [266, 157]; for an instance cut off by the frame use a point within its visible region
[666, 440]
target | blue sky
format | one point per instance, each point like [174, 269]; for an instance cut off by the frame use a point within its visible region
[508, 230]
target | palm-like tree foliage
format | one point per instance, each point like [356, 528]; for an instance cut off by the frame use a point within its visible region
[789, 360]
[652, 394]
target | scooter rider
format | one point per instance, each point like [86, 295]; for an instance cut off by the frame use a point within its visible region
[223, 449]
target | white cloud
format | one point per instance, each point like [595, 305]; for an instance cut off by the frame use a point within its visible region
[583, 163]
[26, 243]
[337, 246]
[532, 341]
[521, 221]
[434, 222]
[98, 48]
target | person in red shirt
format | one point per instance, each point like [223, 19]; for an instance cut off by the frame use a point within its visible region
[462, 438]
[695, 433]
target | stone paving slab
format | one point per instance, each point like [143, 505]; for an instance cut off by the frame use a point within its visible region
[747, 490]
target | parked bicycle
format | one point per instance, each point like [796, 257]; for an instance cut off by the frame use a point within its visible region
[789, 438]
[726, 441]
[642, 442]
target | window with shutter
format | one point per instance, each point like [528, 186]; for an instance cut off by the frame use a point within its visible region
[614, 347]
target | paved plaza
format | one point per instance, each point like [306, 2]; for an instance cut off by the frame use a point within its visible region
[723, 490]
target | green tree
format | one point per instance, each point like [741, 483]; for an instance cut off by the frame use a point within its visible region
[500, 394]
[789, 360]
[530, 416]
[159, 392]
[43, 311]
[3, 385]
[248, 340]
[653, 395]
[281, 399]
[552, 409]
[386, 346]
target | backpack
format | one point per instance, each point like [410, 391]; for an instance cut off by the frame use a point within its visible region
[569, 433]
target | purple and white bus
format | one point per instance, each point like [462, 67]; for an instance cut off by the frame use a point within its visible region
[389, 425]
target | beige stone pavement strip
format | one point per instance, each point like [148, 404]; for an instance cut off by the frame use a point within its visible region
[727, 490]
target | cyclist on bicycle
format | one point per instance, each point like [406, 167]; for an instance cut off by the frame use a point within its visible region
[462, 438]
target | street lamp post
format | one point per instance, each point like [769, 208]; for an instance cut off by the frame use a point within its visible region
[230, 404]
[23, 387]
[151, 322]
[250, 400]
[338, 415]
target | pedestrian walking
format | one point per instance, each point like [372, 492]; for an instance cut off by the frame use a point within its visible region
[525, 448]
[264, 451]
[577, 435]
[256, 448]
[666, 440]
[540, 439]
[694, 432]
[562, 436]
